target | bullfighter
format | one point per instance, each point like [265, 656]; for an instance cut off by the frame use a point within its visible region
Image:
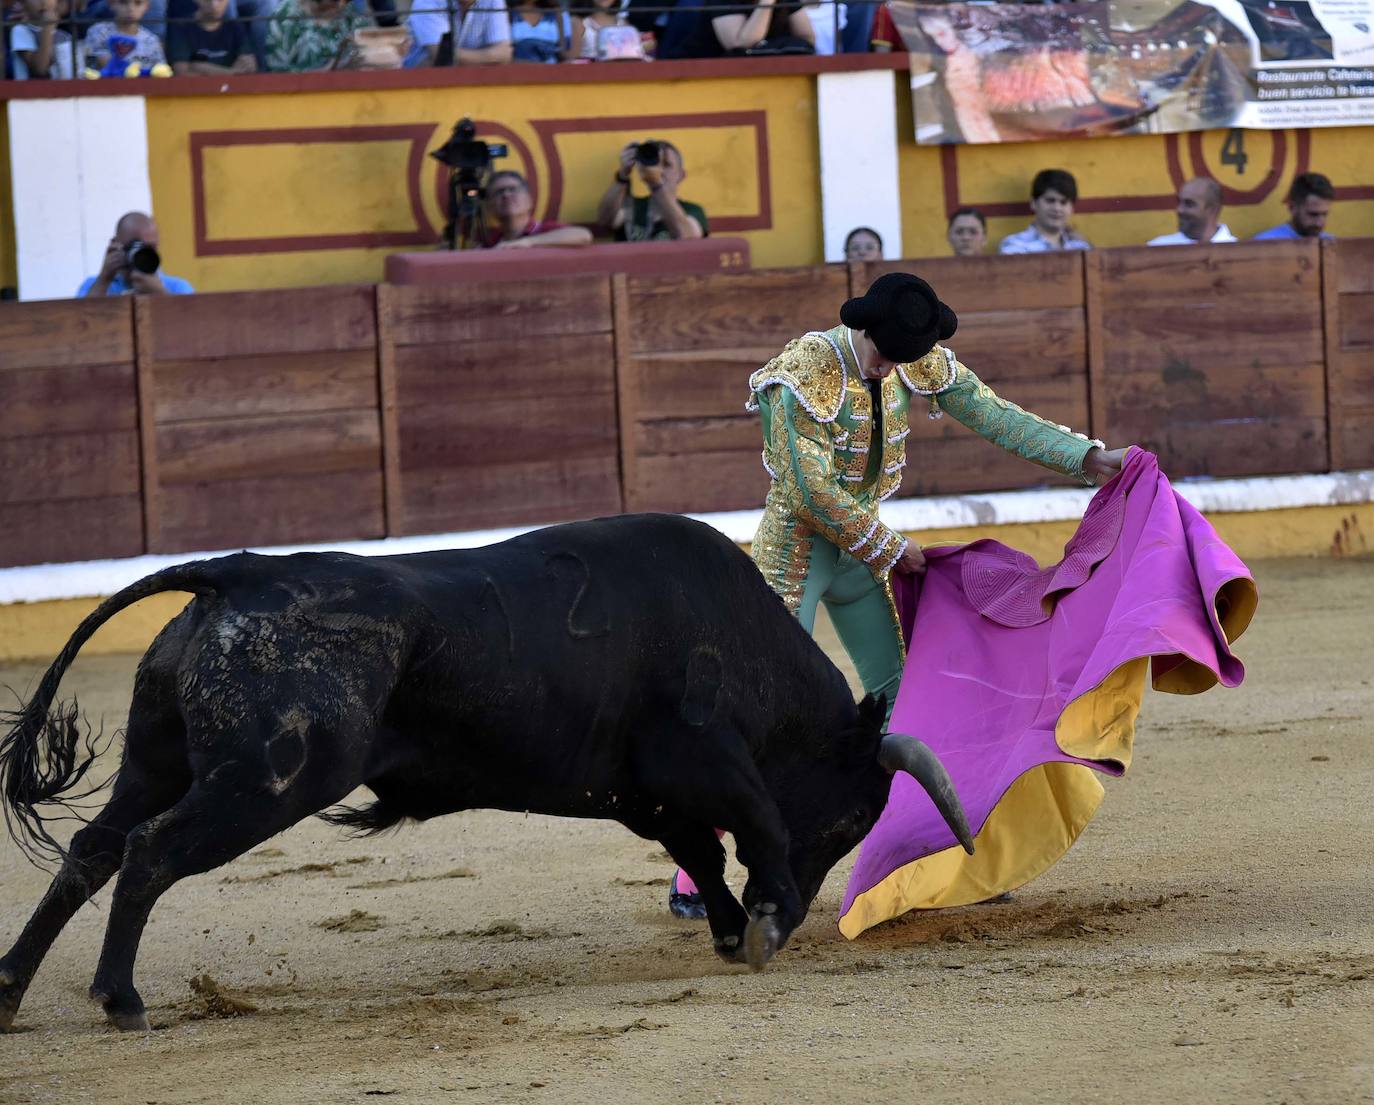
[834, 407]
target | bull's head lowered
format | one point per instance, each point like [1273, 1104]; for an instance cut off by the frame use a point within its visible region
[828, 808]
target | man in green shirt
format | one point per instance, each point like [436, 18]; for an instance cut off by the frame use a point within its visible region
[660, 215]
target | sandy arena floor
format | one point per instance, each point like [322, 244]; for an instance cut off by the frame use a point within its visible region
[1210, 939]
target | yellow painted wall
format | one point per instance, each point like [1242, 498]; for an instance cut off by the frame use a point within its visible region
[343, 186]
[1121, 167]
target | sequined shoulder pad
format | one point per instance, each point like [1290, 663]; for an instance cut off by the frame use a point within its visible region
[932, 374]
[810, 368]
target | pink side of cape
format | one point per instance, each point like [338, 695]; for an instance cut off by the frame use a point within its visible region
[1000, 647]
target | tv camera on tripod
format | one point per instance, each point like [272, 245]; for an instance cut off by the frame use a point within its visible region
[469, 169]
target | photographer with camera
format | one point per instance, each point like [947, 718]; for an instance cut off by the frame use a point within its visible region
[659, 215]
[132, 265]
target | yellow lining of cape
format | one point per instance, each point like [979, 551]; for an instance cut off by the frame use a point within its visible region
[1032, 825]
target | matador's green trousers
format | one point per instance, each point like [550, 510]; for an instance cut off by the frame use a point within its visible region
[859, 609]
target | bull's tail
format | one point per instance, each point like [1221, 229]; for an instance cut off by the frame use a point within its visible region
[366, 820]
[48, 750]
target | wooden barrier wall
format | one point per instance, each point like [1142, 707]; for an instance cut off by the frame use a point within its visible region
[1348, 276]
[318, 415]
[261, 418]
[1213, 358]
[503, 403]
[687, 346]
[69, 447]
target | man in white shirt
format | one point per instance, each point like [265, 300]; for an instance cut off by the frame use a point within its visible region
[1199, 216]
[480, 30]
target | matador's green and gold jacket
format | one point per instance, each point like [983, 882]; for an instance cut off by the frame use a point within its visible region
[829, 474]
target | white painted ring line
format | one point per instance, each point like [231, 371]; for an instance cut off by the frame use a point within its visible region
[93, 578]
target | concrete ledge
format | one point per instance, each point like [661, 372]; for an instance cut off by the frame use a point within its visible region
[1321, 515]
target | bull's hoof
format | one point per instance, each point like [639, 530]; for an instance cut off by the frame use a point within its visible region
[129, 1020]
[126, 1017]
[730, 948]
[762, 939]
[11, 994]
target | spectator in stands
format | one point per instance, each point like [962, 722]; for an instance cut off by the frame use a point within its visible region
[1199, 216]
[620, 41]
[306, 35]
[510, 209]
[540, 30]
[123, 273]
[165, 15]
[42, 50]
[660, 214]
[863, 244]
[968, 232]
[210, 47]
[760, 27]
[1309, 203]
[857, 32]
[128, 21]
[478, 32]
[828, 18]
[1053, 194]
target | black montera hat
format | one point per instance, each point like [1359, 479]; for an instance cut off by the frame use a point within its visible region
[902, 316]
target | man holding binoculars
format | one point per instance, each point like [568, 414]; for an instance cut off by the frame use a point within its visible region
[132, 264]
[660, 214]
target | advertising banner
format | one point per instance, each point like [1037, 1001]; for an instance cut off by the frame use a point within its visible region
[1014, 73]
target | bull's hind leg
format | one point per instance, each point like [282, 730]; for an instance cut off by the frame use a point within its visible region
[222, 816]
[154, 775]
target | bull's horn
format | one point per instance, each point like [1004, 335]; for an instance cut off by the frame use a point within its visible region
[899, 752]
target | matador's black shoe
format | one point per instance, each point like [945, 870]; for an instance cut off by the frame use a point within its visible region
[689, 907]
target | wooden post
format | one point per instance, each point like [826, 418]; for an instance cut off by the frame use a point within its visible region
[392, 490]
[1331, 353]
[626, 391]
[858, 279]
[1095, 339]
[144, 345]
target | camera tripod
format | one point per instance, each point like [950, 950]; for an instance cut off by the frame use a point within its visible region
[467, 220]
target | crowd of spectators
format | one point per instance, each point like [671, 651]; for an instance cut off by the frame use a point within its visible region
[62, 39]
[657, 167]
[1054, 192]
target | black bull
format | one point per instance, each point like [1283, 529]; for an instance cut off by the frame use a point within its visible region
[634, 668]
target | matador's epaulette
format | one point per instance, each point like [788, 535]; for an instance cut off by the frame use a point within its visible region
[811, 369]
[932, 374]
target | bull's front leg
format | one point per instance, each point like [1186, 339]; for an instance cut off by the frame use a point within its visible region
[774, 906]
[698, 851]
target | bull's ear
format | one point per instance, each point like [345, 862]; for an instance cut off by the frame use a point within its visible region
[873, 710]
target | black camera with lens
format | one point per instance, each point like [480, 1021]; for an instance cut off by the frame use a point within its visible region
[141, 257]
[649, 153]
[464, 154]
[469, 169]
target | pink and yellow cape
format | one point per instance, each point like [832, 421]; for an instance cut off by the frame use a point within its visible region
[1025, 681]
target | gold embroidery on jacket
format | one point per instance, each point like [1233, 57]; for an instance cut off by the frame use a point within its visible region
[809, 368]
